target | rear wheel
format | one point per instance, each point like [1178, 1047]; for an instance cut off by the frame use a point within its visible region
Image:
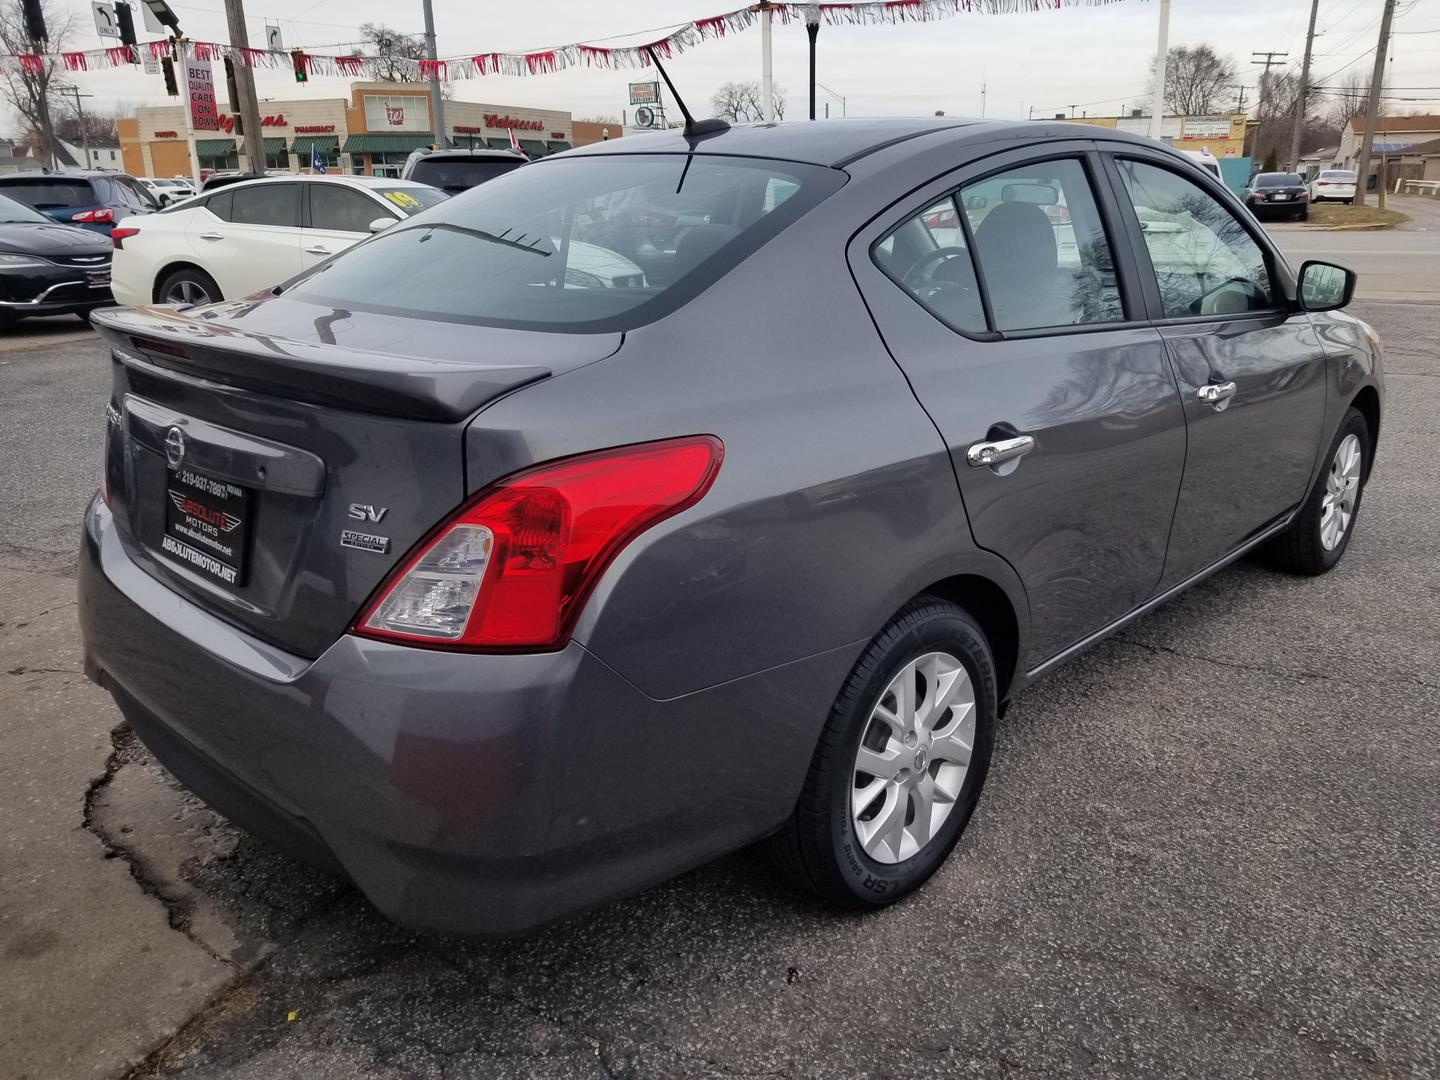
[1316, 540]
[1304, 215]
[188, 286]
[899, 767]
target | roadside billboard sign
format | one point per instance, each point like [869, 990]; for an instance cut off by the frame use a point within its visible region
[644, 93]
[200, 90]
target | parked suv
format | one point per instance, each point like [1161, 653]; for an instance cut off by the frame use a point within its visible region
[91, 200]
[506, 594]
[454, 171]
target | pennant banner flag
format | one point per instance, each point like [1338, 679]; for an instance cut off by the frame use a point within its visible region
[544, 61]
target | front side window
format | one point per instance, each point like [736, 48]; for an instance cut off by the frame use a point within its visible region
[928, 257]
[267, 204]
[1041, 247]
[1205, 262]
[342, 210]
[585, 244]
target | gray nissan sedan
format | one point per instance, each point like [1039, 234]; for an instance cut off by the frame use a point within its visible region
[505, 589]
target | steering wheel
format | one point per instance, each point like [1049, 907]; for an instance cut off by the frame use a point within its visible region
[922, 270]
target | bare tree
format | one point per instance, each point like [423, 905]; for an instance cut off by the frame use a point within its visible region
[394, 51]
[1198, 80]
[99, 125]
[740, 102]
[27, 91]
[1349, 98]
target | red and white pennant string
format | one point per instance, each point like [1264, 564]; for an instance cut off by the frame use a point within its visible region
[544, 61]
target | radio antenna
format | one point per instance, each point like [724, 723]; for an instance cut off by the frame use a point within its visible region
[693, 128]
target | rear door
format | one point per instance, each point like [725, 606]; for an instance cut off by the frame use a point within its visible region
[336, 217]
[1002, 294]
[1251, 369]
[250, 239]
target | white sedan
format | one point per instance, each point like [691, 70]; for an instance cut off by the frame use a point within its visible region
[1335, 184]
[249, 236]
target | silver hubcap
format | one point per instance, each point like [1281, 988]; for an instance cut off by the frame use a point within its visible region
[186, 291]
[913, 757]
[1342, 487]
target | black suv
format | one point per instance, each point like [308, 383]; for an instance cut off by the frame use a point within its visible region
[454, 171]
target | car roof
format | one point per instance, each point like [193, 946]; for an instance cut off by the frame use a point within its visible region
[461, 153]
[838, 142]
[366, 182]
[64, 174]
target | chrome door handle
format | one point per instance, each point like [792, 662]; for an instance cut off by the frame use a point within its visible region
[1215, 393]
[211, 236]
[316, 249]
[994, 452]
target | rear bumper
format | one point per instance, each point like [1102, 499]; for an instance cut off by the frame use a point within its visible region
[463, 793]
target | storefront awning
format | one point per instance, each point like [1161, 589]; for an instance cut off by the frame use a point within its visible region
[325, 144]
[387, 144]
[498, 144]
[533, 148]
[274, 146]
[557, 145]
[214, 147]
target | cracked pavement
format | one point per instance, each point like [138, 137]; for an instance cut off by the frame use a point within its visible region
[1208, 847]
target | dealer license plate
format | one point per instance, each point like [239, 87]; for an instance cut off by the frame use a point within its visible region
[207, 525]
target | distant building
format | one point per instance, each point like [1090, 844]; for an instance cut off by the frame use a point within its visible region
[1393, 135]
[589, 131]
[104, 154]
[1223, 134]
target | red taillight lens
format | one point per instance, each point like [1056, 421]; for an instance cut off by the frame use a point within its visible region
[102, 215]
[511, 569]
[118, 236]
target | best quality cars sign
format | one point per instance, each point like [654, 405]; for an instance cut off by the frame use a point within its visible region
[200, 88]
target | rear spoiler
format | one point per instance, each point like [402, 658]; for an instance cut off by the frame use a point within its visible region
[401, 386]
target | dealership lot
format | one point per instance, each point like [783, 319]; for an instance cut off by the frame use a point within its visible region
[1207, 847]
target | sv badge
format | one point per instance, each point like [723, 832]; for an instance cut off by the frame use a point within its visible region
[363, 512]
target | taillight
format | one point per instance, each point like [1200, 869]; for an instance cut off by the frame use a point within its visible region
[100, 216]
[511, 569]
[119, 235]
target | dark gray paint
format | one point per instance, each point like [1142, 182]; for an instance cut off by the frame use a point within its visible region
[490, 793]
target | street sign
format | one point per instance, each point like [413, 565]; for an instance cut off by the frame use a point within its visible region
[106, 25]
[644, 93]
[152, 65]
[272, 37]
[152, 24]
[200, 90]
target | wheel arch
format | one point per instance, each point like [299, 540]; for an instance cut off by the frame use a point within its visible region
[989, 605]
[169, 268]
[1367, 400]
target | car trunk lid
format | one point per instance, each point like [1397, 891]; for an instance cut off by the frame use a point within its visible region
[269, 462]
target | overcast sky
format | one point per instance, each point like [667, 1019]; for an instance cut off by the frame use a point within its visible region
[1094, 58]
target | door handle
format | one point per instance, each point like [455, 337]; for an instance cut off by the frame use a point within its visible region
[211, 236]
[316, 249]
[1216, 393]
[997, 451]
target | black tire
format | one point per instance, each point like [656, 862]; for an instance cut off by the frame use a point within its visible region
[1304, 215]
[818, 849]
[176, 279]
[1300, 549]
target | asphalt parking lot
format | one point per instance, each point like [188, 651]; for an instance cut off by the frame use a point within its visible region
[1210, 847]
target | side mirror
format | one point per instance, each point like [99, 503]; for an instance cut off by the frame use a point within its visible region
[380, 224]
[1324, 286]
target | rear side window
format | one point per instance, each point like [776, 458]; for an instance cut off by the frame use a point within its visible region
[55, 194]
[927, 256]
[1042, 248]
[1205, 262]
[575, 244]
[267, 204]
[220, 204]
[457, 175]
[342, 209]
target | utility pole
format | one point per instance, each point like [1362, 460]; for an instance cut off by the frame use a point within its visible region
[1272, 59]
[1372, 110]
[1162, 54]
[982, 97]
[767, 78]
[74, 92]
[1240, 101]
[1304, 90]
[437, 102]
[245, 85]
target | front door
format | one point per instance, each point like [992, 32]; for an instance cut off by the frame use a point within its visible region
[1055, 398]
[336, 218]
[1251, 369]
[251, 238]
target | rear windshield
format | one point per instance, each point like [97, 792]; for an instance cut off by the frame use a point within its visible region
[12, 213]
[457, 174]
[411, 199]
[1337, 174]
[54, 194]
[1278, 179]
[592, 244]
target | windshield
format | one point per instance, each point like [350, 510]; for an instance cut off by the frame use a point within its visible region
[14, 213]
[458, 174]
[596, 244]
[1278, 179]
[411, 198]
[50, 194]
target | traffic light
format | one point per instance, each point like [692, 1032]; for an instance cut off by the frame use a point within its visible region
[126, 22]
[34, 20]
[301, 75]
[167, 68]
